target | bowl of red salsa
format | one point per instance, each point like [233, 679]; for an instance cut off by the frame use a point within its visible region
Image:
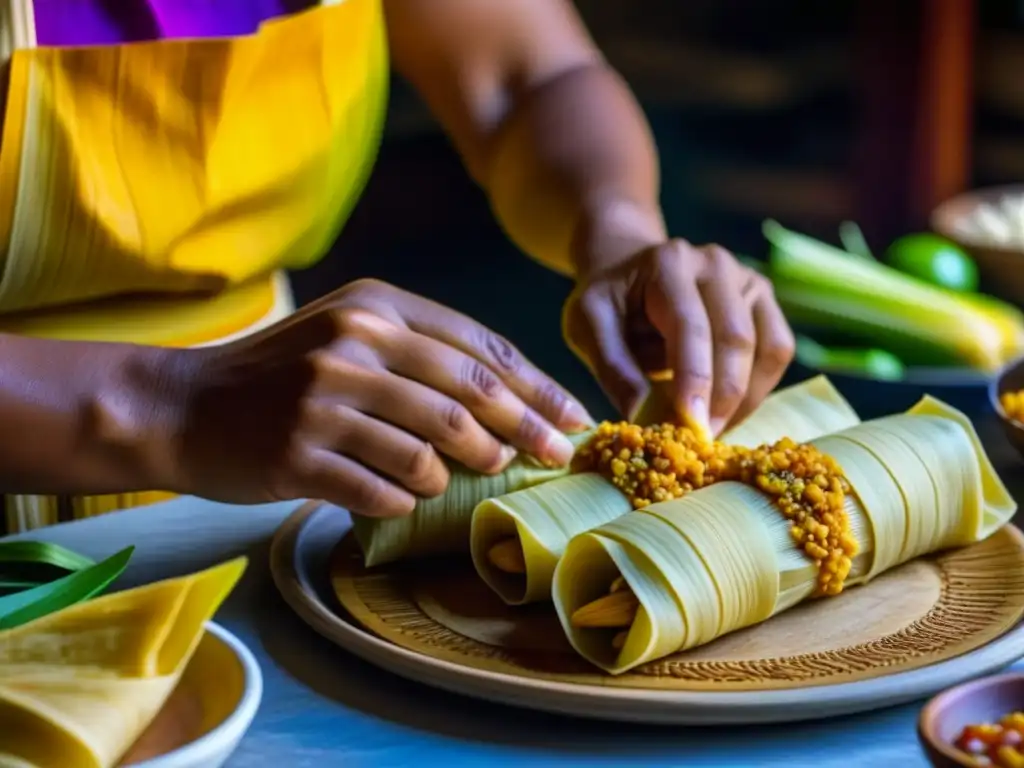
[980, 723]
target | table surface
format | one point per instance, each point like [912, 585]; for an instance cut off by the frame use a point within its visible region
[323, 707]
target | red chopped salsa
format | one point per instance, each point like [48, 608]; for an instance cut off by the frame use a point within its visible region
[1000, 745]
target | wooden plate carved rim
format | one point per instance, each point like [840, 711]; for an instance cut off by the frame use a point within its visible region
[980, 596]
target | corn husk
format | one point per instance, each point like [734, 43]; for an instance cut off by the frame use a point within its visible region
[802, 412]
[441, 525]
[544, 518]
[722, 558]
[78, 687]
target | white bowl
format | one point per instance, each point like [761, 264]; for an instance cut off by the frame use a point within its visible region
[235, 694]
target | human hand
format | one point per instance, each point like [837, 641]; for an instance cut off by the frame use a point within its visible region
[353, 399]
[694, 311]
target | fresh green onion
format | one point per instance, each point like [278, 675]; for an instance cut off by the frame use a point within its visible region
[31, 604]
[935, 316]
[852, 238]
[43, 553]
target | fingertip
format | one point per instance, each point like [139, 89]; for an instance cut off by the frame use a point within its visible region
[575, 419]
[403, 505]
[696, 416]
[506, 453]
[395, 508]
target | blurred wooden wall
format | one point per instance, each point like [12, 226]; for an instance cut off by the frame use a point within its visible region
[798, 109]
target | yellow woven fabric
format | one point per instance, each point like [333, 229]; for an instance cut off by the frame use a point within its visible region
[192, 168]
[186, 165]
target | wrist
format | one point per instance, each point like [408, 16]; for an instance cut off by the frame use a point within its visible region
[611, 231]
[134, 417]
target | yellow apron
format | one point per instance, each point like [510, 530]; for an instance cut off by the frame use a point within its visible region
[195, 169]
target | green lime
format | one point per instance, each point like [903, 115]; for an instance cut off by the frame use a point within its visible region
[934, 260]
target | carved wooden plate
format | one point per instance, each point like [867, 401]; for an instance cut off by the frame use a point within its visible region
[920, 628]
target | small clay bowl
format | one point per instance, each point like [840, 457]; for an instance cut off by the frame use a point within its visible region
[1001, 268]
[985, 700]
[1009, 379]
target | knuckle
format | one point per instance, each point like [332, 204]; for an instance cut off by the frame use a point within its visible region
[501, 352]
[457, 419]
[779, 352]
[674, 248]
[366, 325]
[680, 256]
[479, 382]
[552, 400]
[697, 380]
[729, 390]
[344, 320]
[698, 330]
[717, 255]
[367, 286]
[736, 336]
[323, 363]
[761, 283]
[531, 431]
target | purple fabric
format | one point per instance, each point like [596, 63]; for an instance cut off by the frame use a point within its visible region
[107, 22]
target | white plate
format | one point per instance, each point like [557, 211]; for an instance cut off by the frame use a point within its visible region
[299, 563]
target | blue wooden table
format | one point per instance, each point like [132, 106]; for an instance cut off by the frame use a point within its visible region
[323, 708]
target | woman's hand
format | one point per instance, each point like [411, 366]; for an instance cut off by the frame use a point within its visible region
[354, 399]
[695, 311]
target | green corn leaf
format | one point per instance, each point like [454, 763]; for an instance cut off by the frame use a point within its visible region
[15, 585]
[31, 604]
[42, 553]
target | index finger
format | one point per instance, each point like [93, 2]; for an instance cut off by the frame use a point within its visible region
[535, 388]
[775, 345]
[675, 307]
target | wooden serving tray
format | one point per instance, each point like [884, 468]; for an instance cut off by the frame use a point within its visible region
[911, 632]
[924, 612]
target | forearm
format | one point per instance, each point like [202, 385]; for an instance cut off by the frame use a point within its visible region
[573, 173]
[83, 418]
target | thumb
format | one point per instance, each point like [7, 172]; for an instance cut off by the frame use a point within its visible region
[595, 332]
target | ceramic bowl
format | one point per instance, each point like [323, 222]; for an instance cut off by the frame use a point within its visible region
[210, 710]
[979, 701]
[1001, 269]
[1009, 379]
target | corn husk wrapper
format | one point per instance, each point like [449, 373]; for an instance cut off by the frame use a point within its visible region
[722, 558]
[544, 518]
[441, 525]
[79, 686]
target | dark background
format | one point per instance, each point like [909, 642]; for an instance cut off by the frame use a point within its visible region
[757, 111]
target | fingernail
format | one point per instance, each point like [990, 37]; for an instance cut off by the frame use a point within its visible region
[697, 409]
[717, 425]
[505, 456]
[558, 449]
[577, 419]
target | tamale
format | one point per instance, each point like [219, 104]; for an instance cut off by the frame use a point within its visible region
[724, 557]
[543, 519]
